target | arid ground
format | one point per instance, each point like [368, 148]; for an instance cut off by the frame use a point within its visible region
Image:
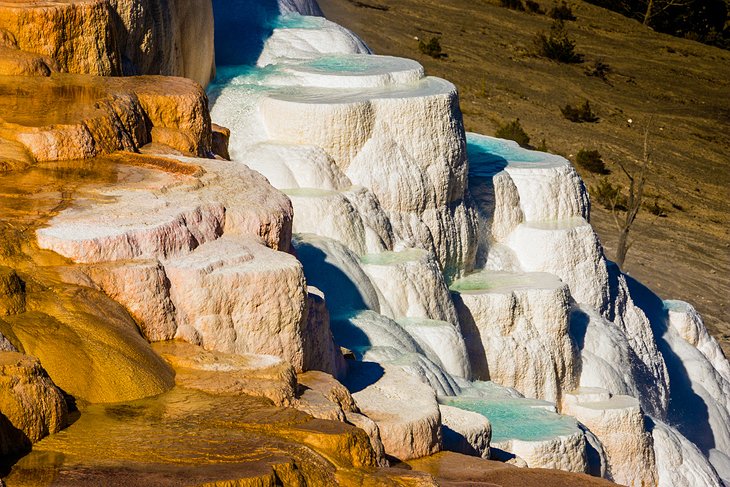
[680, 89]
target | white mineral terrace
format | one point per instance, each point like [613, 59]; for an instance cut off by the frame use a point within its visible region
[487, 315]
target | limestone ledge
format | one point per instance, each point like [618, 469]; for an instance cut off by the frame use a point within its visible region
[66, 116]
[203, 263]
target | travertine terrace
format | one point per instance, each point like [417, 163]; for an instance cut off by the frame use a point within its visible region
[340, 279]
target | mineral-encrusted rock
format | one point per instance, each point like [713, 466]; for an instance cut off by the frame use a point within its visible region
[324, 397]
[78, 117]
[516, 325]
[12, 292]
[237, 296]
[404, 409]
[619, 423]
[454, 469]
[88, 344]
[31, 406]
[373, 431]
[117, 37]
[203, 265]
[225, 374]
[465, 432]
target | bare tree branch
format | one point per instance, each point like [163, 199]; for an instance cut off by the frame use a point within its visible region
[637, 184]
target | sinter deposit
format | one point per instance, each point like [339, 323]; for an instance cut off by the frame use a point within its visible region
[408, 287]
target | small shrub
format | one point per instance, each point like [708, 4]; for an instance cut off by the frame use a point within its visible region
[556, 45]
[598, 69]
[513, 131]
[592, 161]
[608, 195]
[512, 5]
[533, 7]
[579, 114]
[656, 209]
[432, 48]
[561, 12]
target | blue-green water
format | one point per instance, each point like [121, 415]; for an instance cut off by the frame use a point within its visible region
[243, 74]
[340, 63]
[517, 418]
[488, 155]
[296, 21]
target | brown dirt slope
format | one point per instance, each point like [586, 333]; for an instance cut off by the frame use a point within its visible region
[683, 87]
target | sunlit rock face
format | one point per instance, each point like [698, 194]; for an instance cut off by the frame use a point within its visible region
[516, 326]
[395, 206]
[65, 117]
[465, 431]
[625, 340]
[204, 249]
[31, 404]
[237, 438]
[87, 343]
[619, 423]
[459, 271]
[220, 373]
[405, 410]
[117, 37]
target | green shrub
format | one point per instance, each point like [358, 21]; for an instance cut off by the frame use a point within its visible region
[432, 48]
[598, 69]
[561, 12]
[579, 114]
[608, 195]
[513, 131]
[533, 7]
[512, 4]
[556, 45]
[592, 161]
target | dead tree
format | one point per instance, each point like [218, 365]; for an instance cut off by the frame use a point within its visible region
[634, 200]
[656, 7]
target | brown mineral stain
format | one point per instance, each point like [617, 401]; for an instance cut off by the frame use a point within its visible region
[186, 437]
[157, 162]
[453, 469]
[54, 104]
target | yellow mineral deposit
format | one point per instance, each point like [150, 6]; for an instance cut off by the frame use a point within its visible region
[65, 116]
[89, 344]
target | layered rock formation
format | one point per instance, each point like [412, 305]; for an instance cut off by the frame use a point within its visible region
[60, 117]
[546, 314]
[459, 272]
[116, 37]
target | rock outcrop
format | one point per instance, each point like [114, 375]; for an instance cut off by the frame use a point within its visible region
[65, 116]
[465, 432]
[206, 256]
[32, 406]
[225, 374]
[619, 423]
[460, 272]
[516, 326]
[545, 314]
[117, 37]
[404, 409]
